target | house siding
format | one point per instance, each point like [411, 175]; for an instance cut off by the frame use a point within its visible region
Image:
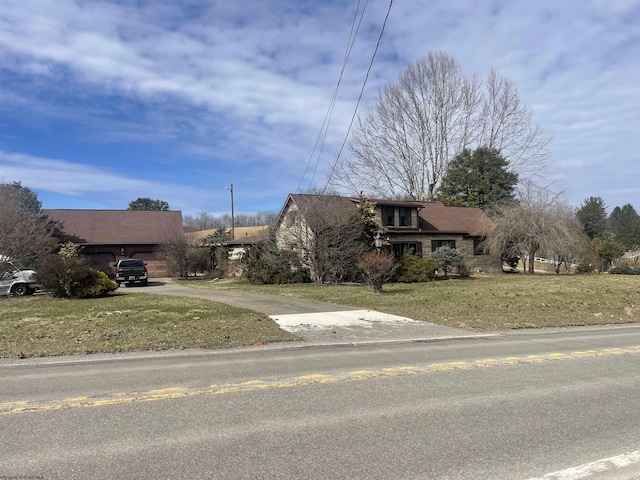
[464, 243]
[428, 221]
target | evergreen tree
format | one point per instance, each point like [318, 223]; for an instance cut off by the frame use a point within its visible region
[367, 214]
[147, 203]
[478, 178]
[219, 235]
[625, 225]
[592, 214]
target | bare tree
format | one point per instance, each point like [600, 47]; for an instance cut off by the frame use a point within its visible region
[538, 221]
[177, 248]
[25, 234]
[566, 241]
[201, 221]
[328, 238]
[506, 124]
[402, 148]
[206, 221]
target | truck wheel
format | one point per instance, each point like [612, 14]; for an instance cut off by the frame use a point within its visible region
[145, 283]
[20, 290]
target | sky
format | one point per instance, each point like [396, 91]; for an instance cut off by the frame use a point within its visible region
[103, 102]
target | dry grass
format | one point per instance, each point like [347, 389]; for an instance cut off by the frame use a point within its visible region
[44, 326]
[499, 302]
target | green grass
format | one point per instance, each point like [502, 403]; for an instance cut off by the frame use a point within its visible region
[497, 302]
[43, 326]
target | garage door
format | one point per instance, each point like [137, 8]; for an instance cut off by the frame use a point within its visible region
[103, 262]
[157, 267]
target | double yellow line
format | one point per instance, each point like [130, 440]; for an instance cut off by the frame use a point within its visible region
[26, 406]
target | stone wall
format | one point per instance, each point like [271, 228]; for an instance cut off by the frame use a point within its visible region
[486, 263]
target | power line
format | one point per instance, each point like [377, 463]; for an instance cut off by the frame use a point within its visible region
[355, 111]
[327, 118]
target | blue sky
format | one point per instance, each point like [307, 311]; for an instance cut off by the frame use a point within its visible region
[102, 102]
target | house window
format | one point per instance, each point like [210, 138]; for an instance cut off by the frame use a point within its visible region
[478, 246]
[388, 216]
[405, 217]
[403, 248]
[436, 244]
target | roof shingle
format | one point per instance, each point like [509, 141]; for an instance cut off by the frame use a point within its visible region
[118, 226]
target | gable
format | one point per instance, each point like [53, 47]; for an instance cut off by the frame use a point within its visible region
[118, 226]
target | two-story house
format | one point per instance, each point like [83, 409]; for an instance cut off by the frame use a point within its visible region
[408, 226]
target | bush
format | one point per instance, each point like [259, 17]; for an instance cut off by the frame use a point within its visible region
[413, 269]
[448, 258]
[72, 277]
[198, 259]
[97, 284]
[624, 270]
[266, 264]
[463, 270]
[585, 267]
[377, 268]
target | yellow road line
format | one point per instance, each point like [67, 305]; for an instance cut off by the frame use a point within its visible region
[120, 398]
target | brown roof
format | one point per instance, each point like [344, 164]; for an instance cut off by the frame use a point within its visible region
[118, 226]
[433, 216]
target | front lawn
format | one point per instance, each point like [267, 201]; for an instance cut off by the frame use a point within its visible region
[42, 326]
[494, 302]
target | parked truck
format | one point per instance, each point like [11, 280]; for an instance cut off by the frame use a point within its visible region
[15, 279]
[131, 270]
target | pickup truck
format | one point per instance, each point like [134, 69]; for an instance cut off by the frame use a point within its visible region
[15, 279]
[131, 270]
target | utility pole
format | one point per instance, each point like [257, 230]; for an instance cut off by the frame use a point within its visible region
[233, 222]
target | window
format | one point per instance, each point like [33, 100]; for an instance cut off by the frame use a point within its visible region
[388, 216]
[405, 217]
[478, 246]
[436, 244]
[403, 248]
[131, 263]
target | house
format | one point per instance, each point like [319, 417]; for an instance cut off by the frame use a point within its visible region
[408, 226]
[110, 235]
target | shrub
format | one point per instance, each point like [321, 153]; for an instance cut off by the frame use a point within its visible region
[413, 269]
[377, 268]
[585, 267]
[197, 260]
[299, 276]
[624, 270]
[72, 277]
[96, 284]
[463, 270]
[266, 264]
[448, 258]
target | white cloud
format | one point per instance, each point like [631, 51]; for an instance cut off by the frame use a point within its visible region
[237, 91]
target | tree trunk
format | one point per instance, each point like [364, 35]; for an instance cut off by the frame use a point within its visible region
[532, 261]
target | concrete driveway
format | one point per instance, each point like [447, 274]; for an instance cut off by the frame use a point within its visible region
[317, 322]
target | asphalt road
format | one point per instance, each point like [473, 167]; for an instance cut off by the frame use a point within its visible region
[524, 405]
